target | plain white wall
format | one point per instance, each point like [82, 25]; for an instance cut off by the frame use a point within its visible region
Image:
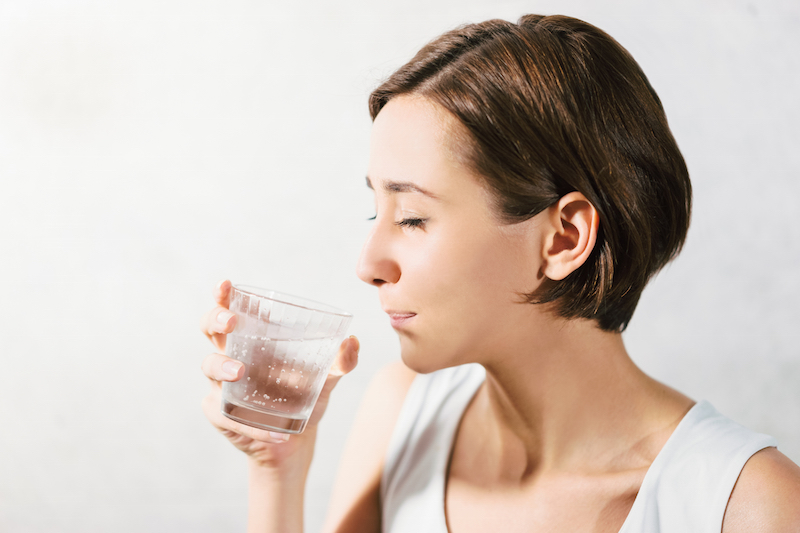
[151, 148]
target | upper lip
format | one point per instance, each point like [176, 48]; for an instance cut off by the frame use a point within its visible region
[392, 312]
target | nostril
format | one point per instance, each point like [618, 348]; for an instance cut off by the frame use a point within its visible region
[375, 268]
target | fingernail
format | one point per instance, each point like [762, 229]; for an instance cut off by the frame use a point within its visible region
[219, 285]
[231, 368]
[358, 344]
[224, 316]
[282, 437]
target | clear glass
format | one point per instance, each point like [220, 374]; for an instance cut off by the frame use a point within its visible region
[287, 345]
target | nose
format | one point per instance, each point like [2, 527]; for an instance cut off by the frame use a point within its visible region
[376, 265]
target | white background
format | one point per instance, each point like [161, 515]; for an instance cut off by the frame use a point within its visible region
[150, 148]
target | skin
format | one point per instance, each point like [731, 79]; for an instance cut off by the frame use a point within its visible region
[278, 465]
[561, 433]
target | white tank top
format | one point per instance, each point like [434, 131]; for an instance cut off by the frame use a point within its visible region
[686, 489]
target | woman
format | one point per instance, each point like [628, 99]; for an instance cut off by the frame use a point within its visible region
[527, 187]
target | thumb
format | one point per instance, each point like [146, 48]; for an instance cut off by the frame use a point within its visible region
[346, 361]
[347, 358]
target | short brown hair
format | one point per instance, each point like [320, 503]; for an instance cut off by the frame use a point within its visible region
[554, 105]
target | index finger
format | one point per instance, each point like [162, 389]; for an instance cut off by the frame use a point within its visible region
[222, 293]
[216, 324]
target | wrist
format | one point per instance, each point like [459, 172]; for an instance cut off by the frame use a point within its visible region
[276, 494]
[277, 485]
[288, 473]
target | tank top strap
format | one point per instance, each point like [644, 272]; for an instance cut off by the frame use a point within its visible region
[686, 489]
[413, 481]
[689, 483]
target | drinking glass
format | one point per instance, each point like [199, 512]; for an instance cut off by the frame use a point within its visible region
[287, 345]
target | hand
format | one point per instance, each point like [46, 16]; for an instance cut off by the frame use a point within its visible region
[266, 448]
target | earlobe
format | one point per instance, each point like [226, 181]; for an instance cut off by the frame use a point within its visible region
[573, 223]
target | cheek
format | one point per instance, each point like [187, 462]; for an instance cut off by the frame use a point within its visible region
[466, 290]
[474, 278]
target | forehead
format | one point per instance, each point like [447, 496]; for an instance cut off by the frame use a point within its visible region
[410, 144]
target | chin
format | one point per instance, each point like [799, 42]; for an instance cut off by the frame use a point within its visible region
[417, 367]
[424, 361]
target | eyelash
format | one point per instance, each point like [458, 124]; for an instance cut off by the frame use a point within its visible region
[411, 222]
[407, 222]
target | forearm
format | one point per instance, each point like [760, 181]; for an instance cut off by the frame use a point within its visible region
[275, 499]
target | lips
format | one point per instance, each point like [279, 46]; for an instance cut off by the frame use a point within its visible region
[399, 319]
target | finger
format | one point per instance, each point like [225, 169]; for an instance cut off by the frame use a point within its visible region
[347, 358]
[346, 361]
[222, 293]
[216, 324]
[221, 368]
[218, 320]
[232, 429]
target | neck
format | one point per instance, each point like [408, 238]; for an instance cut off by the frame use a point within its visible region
[573, 401]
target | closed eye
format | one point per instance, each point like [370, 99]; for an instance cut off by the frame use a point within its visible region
[411, 222]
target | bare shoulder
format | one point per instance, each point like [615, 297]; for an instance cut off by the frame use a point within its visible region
[355, 500]
[766, 498]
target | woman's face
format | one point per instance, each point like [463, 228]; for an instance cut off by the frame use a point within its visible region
[448, 273]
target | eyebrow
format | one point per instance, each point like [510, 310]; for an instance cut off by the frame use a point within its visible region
[402, 186]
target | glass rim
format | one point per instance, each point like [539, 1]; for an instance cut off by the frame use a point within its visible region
[286, 299]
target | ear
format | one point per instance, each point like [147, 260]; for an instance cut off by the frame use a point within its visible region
[570, 235]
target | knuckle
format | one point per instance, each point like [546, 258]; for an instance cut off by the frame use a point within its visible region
[206, 367]
[204, 323]
[212, 366]
[206, 405]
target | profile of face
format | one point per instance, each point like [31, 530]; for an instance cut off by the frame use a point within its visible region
[449, 273]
